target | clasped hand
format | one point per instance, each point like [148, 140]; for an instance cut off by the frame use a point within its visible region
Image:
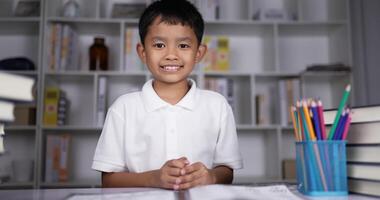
[179, 174]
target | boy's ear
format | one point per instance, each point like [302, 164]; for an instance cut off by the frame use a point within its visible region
[141, 52]
[202, 49]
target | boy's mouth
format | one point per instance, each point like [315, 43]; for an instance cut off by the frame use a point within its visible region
[171, 68]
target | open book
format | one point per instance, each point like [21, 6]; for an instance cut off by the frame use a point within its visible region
[209, 192]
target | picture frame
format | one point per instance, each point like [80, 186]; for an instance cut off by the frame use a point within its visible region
[26, 8]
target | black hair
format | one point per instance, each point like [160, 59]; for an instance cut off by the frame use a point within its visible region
[172, 12]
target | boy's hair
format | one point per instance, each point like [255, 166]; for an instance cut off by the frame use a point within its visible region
[172, 12]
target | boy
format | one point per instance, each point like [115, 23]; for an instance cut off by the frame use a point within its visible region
[171, 134]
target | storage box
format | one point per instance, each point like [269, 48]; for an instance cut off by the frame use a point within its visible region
[25, 115]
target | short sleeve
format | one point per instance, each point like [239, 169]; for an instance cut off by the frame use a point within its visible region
[227, 148]
[109, 152]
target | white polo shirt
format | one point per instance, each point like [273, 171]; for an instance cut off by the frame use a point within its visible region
[142, 132]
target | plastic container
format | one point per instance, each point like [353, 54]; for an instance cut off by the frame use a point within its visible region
[322, 168]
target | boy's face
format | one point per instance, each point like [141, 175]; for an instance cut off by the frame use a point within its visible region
[170, 51]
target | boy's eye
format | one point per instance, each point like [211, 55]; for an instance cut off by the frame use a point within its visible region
[184, 46]
[159, 45]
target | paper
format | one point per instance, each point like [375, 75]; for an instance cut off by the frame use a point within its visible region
[161, 195]
[224, 192]
[1, 139]
[209, 192]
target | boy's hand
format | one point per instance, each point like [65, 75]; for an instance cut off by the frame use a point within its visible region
[196, 174]
[168, 176]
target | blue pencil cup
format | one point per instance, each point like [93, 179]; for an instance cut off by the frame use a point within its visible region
[322, 168]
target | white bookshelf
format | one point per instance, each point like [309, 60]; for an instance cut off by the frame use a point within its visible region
[262, 54]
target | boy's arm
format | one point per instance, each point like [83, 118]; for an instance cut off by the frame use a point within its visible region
[126, 179]
[223, 174]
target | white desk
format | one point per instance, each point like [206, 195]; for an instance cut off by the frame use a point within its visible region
[61, 194]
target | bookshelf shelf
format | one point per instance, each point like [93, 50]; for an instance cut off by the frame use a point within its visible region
[20, 19]
[89, 184]
[18, 185]
[20, 128]
[263, 54]
[71, 128]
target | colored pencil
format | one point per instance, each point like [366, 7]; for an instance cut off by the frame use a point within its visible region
[317, 126]
[321, 119]
[308, 121]
[339, 126]
[347, 126]
[292, 113]
[340, 109]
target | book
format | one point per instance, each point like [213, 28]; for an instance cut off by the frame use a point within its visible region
[359, 114]
[55, 107]
[363, 133]
[225, 87]
[366, 187]
[16, 87]
[2, 149]
[132, 62]
[56, 154]
[63, 53]
[263, 109]
[217, 57]
[101, 104]
[363, 153]
[289, 92]
[363, 171]
[6, 111]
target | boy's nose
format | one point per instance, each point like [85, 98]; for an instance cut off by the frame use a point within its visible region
[171, 54]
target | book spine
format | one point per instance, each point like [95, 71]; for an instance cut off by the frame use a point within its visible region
[49, 159]
[57, 47]
[51, 100]
[63, 172]
[223, 61]
[101, 107]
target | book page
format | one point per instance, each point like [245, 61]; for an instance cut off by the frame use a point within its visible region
[224, 192]
[146, 195]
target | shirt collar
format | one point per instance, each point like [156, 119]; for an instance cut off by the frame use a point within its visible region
[153, 102]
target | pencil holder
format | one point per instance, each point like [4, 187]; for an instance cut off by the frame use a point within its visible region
[321, 167]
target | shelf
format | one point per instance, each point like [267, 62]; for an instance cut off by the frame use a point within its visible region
[276, 75]
[257, 127]
[263, 22]
[91, 20]
[99, 73]
[21, 72]
[19, 19]
[71, 128]
[19, 128]
[76, 184]
[227, 73]
[16, 185]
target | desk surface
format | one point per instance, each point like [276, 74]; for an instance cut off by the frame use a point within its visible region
[149, 193]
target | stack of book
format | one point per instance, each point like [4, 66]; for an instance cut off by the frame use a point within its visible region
[224, 86]
[363, 149]
[13, 89]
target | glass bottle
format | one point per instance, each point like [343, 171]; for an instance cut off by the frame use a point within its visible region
[98, 55]
[71, 9]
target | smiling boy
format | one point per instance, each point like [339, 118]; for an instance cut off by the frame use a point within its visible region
[171, 134]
